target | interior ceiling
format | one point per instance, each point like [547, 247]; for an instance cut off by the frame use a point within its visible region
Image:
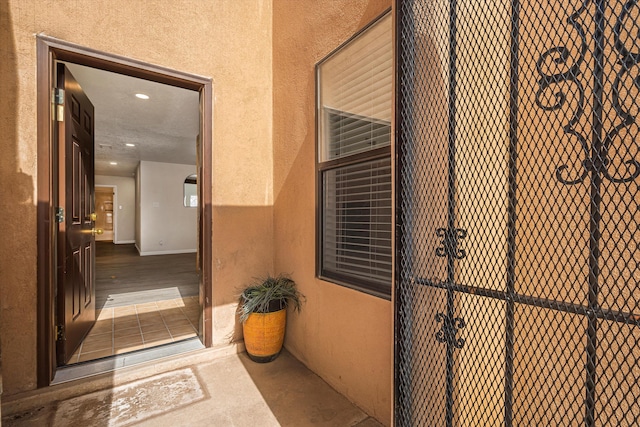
[163, 128]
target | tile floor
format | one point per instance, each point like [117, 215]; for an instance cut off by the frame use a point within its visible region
[134, 327]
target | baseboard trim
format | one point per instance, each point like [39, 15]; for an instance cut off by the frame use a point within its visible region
[124, 242]
[170, 252]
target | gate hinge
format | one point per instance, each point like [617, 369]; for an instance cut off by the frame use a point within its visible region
[57, 97]
[59, 332]
[59, 214]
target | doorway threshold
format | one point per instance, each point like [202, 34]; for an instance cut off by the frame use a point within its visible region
[108, 364]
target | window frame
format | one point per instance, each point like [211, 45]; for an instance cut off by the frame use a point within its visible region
[358, 158]
[191, 180]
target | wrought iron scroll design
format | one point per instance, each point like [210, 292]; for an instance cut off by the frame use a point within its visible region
[597, 159]
[449, 248]
[450, 238]
[590, 81]
[450, 326]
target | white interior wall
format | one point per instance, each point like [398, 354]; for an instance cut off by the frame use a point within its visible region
[124, 207]
[166, 225]
[138, 213]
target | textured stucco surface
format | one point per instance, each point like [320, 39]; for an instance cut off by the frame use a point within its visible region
[228, 40]
[343, 335]
[263, 165]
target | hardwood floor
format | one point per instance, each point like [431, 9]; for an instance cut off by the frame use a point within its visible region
[123, 277]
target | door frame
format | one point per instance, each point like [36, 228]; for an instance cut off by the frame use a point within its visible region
[50, 49]
[114, 189]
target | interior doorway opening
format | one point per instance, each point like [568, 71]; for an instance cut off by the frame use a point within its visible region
[119, 260]
[146, 278]
[105, 200]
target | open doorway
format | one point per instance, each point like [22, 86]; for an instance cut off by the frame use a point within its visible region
[105, 198]
[146, 277]
[150, 279]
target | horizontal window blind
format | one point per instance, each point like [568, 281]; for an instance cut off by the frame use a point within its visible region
[350, 134]
[354, 162]
[355, 94]
[357, 222]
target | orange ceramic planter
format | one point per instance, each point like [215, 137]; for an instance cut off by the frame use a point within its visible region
[264, 335]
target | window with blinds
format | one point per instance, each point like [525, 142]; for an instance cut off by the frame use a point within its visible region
[354, 161]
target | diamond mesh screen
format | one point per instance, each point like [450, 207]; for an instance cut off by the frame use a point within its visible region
[518, 270]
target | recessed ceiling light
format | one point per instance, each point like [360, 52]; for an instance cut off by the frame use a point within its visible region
[130, 145]
[142, 96]
[113, 163]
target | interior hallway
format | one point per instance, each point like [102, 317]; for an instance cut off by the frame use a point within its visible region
[227, 391]
[123, 277]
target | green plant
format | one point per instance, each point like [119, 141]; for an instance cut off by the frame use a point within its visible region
[259, 295]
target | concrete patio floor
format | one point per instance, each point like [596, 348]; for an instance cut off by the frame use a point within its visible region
[228, 390]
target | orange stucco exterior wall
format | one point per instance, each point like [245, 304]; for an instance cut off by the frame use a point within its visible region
[227, 40]
[261, 56]
[343, 335]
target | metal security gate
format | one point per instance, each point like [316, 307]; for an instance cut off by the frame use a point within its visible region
[518, 192]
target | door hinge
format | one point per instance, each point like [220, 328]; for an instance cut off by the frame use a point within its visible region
[58, 104]
[59, 332]
[59, 214]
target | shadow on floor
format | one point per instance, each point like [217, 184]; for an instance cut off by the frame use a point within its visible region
[298, 397]
[225, 391]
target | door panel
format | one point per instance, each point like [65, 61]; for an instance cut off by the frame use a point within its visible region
[76, 312]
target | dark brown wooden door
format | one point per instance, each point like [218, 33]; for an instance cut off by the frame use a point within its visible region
[76, 242]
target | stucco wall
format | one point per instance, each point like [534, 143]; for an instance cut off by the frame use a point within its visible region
[228, 40]
[343, 335]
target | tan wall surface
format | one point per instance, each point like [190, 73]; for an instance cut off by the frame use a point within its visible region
[343, 335]
[228, 40]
